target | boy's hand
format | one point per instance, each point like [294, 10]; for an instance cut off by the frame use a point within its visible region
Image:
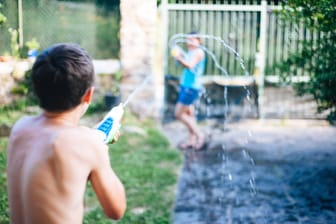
[115, 139]
[177, 52]
[179, 58]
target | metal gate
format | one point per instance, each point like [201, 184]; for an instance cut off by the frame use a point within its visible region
[262, 40]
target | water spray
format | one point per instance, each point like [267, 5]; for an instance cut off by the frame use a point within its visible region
[110, 125]
[181, 38]
[135, 91]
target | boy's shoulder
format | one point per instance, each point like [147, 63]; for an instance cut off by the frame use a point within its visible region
[80, 141]
[80, 133]
[23, 122]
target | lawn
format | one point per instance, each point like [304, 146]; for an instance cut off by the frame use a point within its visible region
[142, 158]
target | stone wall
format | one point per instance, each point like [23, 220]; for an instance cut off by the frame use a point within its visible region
[138, 39]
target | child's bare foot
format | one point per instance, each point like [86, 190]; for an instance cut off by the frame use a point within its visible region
[187, 144]
[200, 143]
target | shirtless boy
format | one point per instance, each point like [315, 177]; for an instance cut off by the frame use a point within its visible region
[51, 157]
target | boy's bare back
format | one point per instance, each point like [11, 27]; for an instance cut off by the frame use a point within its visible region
[49, 165]
[50, 160]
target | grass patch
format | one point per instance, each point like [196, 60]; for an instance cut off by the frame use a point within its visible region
[147, 166]
[143, 160]
[4, 210]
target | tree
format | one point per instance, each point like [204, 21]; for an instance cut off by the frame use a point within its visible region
[316, 58]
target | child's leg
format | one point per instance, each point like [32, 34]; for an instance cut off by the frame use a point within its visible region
[183, 114]
[200, 138]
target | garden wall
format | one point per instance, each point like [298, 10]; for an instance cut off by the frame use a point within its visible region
[138, 39]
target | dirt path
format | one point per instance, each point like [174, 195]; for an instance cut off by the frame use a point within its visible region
[258, 171]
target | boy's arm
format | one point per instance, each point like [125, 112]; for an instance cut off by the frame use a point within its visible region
[190, 64]
[107, 186]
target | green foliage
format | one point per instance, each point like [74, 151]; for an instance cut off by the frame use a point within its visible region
[14, 45]
[107, 31]
[116, 81]
[16, 50]
[3, 18]
[23, 102]
[111, 82]
[316, 57]
[94, 24]
[24, 88]
[32, 44]
[96, 106]
[8, 113]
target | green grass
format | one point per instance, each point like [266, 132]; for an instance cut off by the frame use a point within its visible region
[143, 160]
[148, 168]
[4, 212]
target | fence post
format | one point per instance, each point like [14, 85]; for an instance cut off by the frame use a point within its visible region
[262, 56]
[20, 25]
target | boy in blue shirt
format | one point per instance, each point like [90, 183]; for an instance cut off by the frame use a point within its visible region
[190, 85]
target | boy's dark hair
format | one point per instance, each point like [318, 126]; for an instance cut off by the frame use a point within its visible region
[61, 75]
[195, 33]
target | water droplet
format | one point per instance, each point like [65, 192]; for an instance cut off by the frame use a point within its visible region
[248, 98]
[244, 153]
[252, 186]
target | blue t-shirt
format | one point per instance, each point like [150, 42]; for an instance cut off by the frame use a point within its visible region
[191, 78]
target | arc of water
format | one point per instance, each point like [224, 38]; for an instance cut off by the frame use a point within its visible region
[211, 54]
[181, 36]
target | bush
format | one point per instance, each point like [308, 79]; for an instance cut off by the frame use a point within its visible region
[317, 56]
[24, 87]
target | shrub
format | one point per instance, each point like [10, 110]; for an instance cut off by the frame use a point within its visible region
[316, 57]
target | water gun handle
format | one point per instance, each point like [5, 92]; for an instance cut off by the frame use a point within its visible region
[110, 125]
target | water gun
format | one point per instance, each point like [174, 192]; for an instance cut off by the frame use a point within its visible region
[110, 125]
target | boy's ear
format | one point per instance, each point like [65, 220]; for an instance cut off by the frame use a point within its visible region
[88, 95]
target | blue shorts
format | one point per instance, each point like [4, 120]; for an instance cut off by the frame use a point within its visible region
[187, 96]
